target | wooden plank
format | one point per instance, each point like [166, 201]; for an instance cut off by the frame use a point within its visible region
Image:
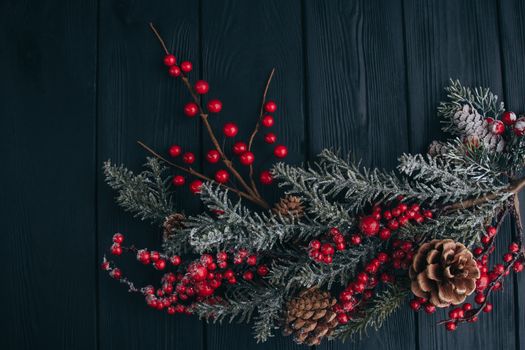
[47, 123]
[139, 101]
[512, 36]
[356, 102]
[458, 40]
[241, 42]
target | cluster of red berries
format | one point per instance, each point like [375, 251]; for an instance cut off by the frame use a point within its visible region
[197, 281]
[508, 120]
[381, 222]
[490, 280]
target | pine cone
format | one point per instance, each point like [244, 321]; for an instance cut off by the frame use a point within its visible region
[290, 206]
[309, 317]
[172, 223]
[444, 272]
[475, 127]
[436, 148]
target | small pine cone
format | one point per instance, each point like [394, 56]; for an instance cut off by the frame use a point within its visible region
[309, 317]
[172, 223]
[289, 206]
[443, 271]
[436, 148]
[475, 127]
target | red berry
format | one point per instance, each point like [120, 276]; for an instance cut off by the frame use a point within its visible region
[479, 298]
[518, 266]
[393, 224]
[248, 275]
[270, 138]
[315, 244]
[239, 148]
[519, 127]
[202, 87]
[118, 238]
[428, 214]
[213, 156]
[195, 186]
[174, 71]
[387, 214]
[175, 151]
[342, 318]
[169, 60]
[116, 273]
[340, 246]
[265, 177]
[478, 251]
[214, 106]
[222, 176]
[280, 151]
[488, 307]
[178, 180]
[507, 257]
[105, 265]
[514, 247]
[247, 158]
[160, 264]
[171, 310]
[198, 272]
[116, 249]
[191, 109]
[251, 260]
[508, 118]
[175, 260]
[262, 270]
[267, 121]
[230, 129]
[327, 259]
[429, 308]
[188, 158]
[385, 234]
[415, 305]
[492, 231]
[270, 107]
[450, 326]
[382, 257]
[355, 239]
[497, 127]
[369, 226]
[327, 249]
[486, 240]
[186, 66]
[467, 307]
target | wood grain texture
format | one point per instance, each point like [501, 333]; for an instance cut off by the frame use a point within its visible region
[512, 36]
[47, 197]
[356, 102]
[241, 42]
[456, 40]
[139, 101]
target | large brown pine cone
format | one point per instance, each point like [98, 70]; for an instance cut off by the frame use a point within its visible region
[443, 271]
[172, 223]
[309, 317]
[289, 206]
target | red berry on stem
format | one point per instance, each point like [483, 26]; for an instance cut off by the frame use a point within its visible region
[514, 247]
[169, 60]
[214, 106]
[355, 239]
[369, 226]
[222, 176]
[213, 156]
[262, 270]
[268, 121]
[248, 275]
[202, 87]
[116, 273]
[492, 231]
[175, 151]
[479, 298]
[280, 151]
[415, 305]
[251, 260]
[450, 326]
[118, 238]
[429, 308]
[270, 138]
[178, 180]
[488, 307]
[497, 127]
[174, 71]
[160, 264]
[266, 177]
[116, 249]
[270, 107]
[175, 260]
[191, 109]
[186, 66]
[230, 129]
[508, 118]
[239, 148]
[507, 257]
[188, 158]
[385, 234]
[195, 186]
[247, 158]
[342, 318]
[519, 127]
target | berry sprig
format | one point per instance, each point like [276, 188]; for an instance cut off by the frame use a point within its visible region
[230, 129]
[509, 121]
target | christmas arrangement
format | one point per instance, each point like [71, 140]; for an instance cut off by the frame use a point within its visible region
[346, 245]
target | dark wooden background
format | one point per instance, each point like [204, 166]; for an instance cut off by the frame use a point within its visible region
[81, 81]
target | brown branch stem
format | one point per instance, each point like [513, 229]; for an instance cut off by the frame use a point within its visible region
[159, 38]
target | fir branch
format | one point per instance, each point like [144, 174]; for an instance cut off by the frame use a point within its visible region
[146, 195]
[374, 314]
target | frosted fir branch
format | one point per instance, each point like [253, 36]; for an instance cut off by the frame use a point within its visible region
[374, 314]
[146, 195]
[482, 99]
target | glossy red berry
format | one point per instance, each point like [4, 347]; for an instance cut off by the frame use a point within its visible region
[385, 234]
[467, 307]
[239, 148]
[178, 180]
[518, 266]
[270, 138]
[230, 129]
[195, 186]
[369, 226]
[213, 156]
[175, 151]
[214, 106]
[222, 176]
[488, 307]
[191, 109]
[519, 127]
[248, 275]
[479, 298]
[268, 121]
[118, 238]
[507, 257]
[415, 305]
[342, 318]
[247, 158]
[429, 308]
[202, 87]
[174, 71]
[280, 151]
[188, 158]
[186, 66]
[355, 239]
[265, 177]
[514, 247]
[270, 107]
[160, 264]
[327, 249]
[492, 231]
[175, 260]
[116, 273]
[497, 127]
[262, 270]
[251, 260]
[169, 60]
[508, 118]
[450, 326]
[116, 249]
